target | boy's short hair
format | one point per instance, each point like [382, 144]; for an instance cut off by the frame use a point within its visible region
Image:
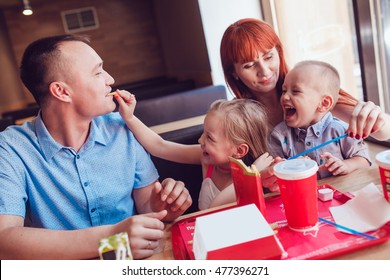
[41, 60]
[328, 75]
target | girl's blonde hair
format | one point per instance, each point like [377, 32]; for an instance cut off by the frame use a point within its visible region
[244, 121]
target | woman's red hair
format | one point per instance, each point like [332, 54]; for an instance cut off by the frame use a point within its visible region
[242, 42]
[346, 99]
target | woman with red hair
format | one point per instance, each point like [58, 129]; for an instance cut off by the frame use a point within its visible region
[254, 67]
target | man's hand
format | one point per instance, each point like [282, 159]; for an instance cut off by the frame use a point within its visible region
[145, 232]
[172, 196]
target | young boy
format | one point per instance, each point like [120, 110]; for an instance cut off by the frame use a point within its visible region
[310, 91]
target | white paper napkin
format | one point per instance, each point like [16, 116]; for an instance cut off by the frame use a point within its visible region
[367, 211]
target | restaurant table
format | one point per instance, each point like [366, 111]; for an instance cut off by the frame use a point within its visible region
[159, 129]
[179, 124]
[347, 183]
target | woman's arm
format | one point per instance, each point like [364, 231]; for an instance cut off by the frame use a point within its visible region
[364, 118]
[150, 140]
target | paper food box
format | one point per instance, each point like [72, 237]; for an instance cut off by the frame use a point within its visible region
[115, 247]
[240, 233]
[247, 184]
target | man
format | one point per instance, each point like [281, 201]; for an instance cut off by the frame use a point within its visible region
[76, 172]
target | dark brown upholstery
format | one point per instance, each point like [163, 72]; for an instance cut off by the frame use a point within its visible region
[29, 111]
[181, 105]
[5, 122]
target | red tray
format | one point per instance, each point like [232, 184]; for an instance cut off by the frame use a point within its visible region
[322, 243]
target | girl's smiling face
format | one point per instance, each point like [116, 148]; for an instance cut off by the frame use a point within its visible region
[215, 145]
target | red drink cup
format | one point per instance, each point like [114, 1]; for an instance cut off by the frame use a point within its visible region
[297, 180]
[383, 161]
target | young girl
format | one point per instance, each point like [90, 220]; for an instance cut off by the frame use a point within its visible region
[236, 128]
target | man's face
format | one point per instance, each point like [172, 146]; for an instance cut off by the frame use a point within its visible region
[88, 83]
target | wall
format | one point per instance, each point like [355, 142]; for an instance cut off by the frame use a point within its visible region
[10, 87]
[140, 39]
[126, 39]
[326, 33]
[217, 15]
[182, 40]
[129, 39]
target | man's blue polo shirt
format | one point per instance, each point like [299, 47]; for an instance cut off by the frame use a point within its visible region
[59, 188]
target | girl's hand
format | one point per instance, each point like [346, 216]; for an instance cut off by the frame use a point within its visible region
[263, 161]
[126, 102]
[268, 177]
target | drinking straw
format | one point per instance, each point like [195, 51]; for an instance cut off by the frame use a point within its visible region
[319, 146]
[347, 229]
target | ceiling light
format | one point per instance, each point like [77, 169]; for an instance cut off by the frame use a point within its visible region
[27, 10]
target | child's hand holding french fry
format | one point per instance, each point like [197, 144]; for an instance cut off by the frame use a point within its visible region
[126, 102]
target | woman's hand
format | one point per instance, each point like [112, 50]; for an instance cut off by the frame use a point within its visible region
[368, 118]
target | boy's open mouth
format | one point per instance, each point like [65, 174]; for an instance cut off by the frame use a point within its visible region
[289, 111]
